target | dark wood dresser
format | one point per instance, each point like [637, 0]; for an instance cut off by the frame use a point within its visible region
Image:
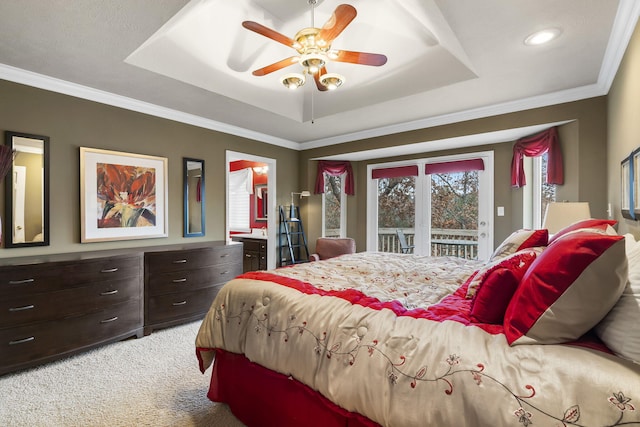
[58, 305]
[181, 281]
[255, 253]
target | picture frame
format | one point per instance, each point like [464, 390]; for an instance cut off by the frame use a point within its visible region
[625, 186]
[635, 160]
[123, 196]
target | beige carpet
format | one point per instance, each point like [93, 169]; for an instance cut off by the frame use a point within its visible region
[152, 381]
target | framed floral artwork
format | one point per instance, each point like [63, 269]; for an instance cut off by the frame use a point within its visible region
[123, 196]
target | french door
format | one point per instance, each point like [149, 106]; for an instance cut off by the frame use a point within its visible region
[440, 206]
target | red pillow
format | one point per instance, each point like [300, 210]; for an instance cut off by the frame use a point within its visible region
[567, 290]
[598, 224]
[492, 298]
[518, 262]
[518, 240]
[498, 286]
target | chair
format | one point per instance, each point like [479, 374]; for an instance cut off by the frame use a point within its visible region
[404, 247]
[330, 247]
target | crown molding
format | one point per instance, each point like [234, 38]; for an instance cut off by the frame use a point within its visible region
[41, 81]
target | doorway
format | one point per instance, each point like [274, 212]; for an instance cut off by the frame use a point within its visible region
[439, 206]
[267, 205]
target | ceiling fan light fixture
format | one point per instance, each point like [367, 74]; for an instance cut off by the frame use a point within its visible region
[292, 81]
[313, 62]
[332, 81]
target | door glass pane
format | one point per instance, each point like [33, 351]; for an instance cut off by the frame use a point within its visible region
[548, 190]
[454, 214]
[332, 205]
[396, 211]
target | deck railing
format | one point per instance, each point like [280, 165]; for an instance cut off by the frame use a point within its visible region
[444, 242]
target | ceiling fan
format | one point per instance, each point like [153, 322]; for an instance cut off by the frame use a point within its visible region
[314, 50]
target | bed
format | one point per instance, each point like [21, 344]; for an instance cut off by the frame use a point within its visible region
[371, 339]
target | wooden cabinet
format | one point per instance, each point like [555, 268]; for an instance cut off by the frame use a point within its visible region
[181, 281]
[58, 305]
[254, 254]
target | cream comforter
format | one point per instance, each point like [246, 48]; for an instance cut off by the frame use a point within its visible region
[400, 369]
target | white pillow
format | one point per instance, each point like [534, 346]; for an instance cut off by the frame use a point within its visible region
[620, 330]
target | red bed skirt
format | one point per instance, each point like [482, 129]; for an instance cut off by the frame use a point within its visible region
[260, 397]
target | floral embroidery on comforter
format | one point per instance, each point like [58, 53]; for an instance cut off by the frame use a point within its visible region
[399, 370]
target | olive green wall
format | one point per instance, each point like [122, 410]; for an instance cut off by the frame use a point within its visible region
[583, 142]
[72, 123]
[624, 126]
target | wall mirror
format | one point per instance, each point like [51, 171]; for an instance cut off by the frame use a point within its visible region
[194, 217]
[27, 191]
[261, 202]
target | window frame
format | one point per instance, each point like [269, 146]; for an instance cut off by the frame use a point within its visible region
[343, 206]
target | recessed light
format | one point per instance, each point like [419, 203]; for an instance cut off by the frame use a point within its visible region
[542, 37]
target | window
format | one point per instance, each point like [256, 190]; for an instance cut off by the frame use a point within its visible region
[539, 194]
[334, 206]
[240, 189]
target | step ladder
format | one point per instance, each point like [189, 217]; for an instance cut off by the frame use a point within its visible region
[293, 241]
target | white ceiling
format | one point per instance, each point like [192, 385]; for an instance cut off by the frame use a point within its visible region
[191, 61]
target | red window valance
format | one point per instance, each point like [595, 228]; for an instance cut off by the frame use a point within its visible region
[534, 146]
[334, 168]
[396, 172]
[455, 166]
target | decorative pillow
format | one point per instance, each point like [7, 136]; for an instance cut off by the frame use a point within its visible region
[518, 262]
[493, 296]
[593, 224]
[518, 240]
[567, 290]
[619, 329]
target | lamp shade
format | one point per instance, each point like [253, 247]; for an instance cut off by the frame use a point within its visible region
[561, 214]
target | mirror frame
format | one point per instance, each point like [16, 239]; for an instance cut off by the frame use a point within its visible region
[186, 192]
[260, 196]
[10, 140]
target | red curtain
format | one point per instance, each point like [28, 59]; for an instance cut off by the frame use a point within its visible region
[534, 146]
[334, 168]
[456, 166]
[395, 172]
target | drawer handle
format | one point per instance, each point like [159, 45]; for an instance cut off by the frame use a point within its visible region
[109, 270]
[179, 303]
[224, 255]
[179, 280]
[224, 272]
[21, 282]
[180, 261]
[247, 255]
[113, 292]
[113, 319]
[22, 341]
[25, 307]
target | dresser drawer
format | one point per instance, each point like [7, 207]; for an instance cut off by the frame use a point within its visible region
[168, 307]
[46, 277]
[60, 304]
[159, 262]
[42, 340]
[254, 245]
[189, 280]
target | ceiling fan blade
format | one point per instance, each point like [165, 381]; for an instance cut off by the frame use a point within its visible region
[317, 76]
[276, 66]
[342, 16]
[362, 58]
[268, 32]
